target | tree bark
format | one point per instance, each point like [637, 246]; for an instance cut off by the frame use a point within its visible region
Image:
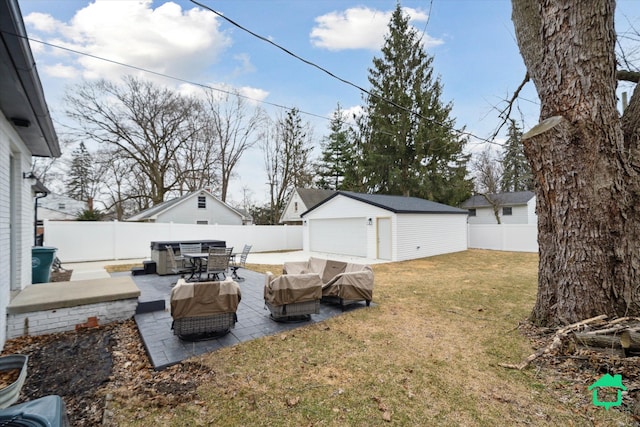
[585, 180]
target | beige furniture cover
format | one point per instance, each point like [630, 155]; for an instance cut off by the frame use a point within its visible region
[286, 289]
[200, 299]
[345, 280]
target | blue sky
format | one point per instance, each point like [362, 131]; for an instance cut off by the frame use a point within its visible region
[472, 42]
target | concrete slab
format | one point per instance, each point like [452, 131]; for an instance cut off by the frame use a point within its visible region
[50, 296]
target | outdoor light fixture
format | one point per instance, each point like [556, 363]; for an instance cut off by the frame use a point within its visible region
[28, 175]
[370, 221]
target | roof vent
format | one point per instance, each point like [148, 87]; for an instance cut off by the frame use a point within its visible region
[19, 122]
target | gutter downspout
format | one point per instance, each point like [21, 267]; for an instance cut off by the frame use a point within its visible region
[39, 195]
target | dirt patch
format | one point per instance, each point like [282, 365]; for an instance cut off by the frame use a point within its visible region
[89, 367]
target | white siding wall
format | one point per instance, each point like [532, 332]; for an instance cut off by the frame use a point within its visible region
[15, 269]
[188, 212]
[423, 235]
[531, 209]
[520, 215]
[290, 213]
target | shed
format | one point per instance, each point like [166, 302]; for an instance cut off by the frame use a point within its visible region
[376, 226]
[510, 208]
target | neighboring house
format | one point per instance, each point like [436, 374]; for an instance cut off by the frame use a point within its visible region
[57, 206]
[26, 130]
[198, 207]
[393, 228]
[301, 200]
[512, 208]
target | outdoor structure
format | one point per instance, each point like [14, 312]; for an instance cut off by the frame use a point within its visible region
[198, 207]
[301, 200]
[512, 208]
[60, 207]
[376, 226]
[26, 130]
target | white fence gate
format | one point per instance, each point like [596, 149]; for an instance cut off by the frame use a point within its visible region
[79, 241]
[503, 237]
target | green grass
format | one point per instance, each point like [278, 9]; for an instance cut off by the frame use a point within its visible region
[426, 354]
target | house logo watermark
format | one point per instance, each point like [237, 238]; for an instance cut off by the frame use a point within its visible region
[608, 382]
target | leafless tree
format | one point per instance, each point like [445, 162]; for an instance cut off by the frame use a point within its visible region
[149, 125]
[585, 161]
[233, 127]
[488, 171]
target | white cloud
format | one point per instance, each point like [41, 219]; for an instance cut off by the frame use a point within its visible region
[254, 94]
[166, 39]
[360, 28]
[61, 71]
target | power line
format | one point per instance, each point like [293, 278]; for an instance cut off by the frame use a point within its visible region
[167, 76]
[345, 81]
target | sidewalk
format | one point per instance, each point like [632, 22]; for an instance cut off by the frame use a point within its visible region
[95, 269]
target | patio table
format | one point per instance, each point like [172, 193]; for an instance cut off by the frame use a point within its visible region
[196, 259]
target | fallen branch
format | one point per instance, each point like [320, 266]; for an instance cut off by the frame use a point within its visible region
[555, 343]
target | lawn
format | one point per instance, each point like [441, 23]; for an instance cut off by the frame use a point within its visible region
[427, 353]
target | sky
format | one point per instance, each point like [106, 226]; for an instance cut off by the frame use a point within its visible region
[472, 43]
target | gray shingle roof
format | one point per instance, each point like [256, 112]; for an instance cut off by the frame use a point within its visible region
[313, 196]
[501, 199]
[399, 204]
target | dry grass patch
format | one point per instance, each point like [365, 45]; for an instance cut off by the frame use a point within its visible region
[427, 353]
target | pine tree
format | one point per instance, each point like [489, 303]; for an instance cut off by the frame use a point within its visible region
[337, 153]
[79, 182]
[411, 148]
[516, 175]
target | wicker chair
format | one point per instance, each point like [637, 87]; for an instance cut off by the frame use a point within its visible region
[173, 262]
[218, 262]
[293, 298]
[204, 310]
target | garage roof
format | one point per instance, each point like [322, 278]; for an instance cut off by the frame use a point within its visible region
[396, 204]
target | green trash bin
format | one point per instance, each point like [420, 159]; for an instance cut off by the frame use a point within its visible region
[41, 261]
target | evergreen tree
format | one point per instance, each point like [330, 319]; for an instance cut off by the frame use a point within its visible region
[411, 147]
[516, 175]
[337, 153]
[79, 182]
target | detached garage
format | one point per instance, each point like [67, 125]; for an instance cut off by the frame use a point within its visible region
[393, 228]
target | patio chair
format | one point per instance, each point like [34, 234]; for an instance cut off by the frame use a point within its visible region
[239, 263]
[204, 310]
[192, 248]
[173, 262]
[293, 298]
[218, 262]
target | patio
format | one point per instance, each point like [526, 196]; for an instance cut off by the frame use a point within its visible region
[165, 349]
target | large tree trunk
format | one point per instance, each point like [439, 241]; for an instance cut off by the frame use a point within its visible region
[586, 182]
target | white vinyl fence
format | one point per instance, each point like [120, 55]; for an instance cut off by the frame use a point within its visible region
[503, 237]
[79, 241]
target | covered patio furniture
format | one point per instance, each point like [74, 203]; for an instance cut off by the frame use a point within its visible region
[203, 310]
[218, 262]
[342, 282]
[239, 263]
[293, 298]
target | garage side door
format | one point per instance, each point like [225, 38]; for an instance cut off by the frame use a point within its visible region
[347, 236]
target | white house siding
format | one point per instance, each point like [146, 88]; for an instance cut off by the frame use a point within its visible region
[290, 212]
[423, 235]
[188, 212]
[521, 214]
[15, 260]
[531, 211]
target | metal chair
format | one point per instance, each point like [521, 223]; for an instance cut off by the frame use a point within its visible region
[218, 262]
[239, 263]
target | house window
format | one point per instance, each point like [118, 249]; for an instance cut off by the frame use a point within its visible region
[295, 206]
[202, 202]
[507, 210]
[202, 222]
[472, 212]
[62, 206]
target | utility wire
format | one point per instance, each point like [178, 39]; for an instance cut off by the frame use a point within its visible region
[345, 81]
[167, 76]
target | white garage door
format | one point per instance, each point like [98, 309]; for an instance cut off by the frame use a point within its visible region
[347, 236]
